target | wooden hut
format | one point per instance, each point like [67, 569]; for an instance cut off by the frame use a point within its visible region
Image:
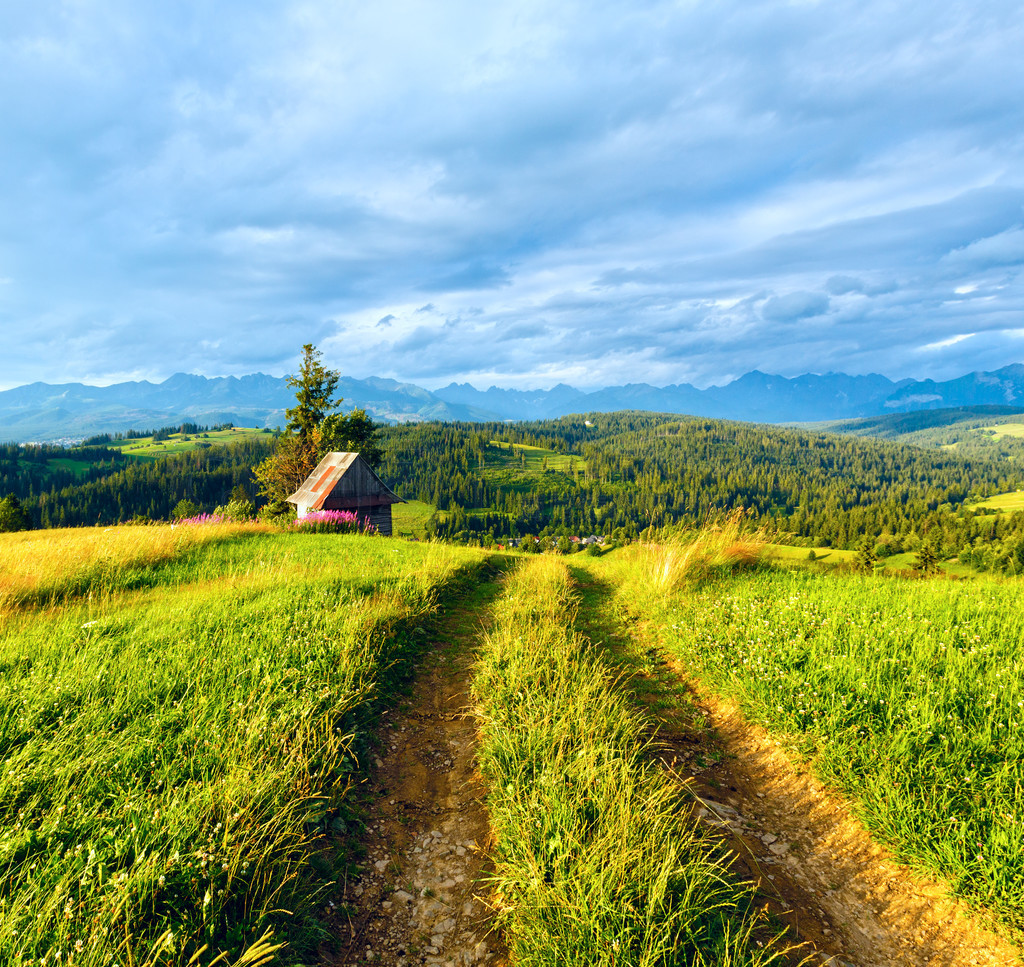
[344, 481]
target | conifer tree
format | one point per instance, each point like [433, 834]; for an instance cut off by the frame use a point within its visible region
[313, 430]
[12, 515]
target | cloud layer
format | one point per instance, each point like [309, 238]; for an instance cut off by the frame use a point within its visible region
[511, 193]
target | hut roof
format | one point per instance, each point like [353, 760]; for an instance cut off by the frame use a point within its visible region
[342, 481]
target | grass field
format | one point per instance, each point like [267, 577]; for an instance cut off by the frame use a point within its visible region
[1002, 502]
[79, 468]
[999, 430]
[181, 722]
[596, 862]
[410, 519]
[801, 555]
[145, 449]
[825, 558]
[532, 459]
[908, 696]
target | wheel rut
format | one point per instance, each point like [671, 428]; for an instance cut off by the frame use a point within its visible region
[841, 895]
[422, 896]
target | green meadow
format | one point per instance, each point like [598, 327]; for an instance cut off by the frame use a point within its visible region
[148, 449]
[1002, 502]
[183, 717]
[505, 455]
[1000, 430]
[597, 860]
[410, 518]
[185, 713]
[908, 696]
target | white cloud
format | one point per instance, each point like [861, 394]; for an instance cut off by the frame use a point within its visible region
[667, 191]
[946, 343]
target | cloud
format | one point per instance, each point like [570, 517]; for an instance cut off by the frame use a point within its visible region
[1004, 249]
[477, 275]
[661, 191]
[525, 330]
[946, 343]
[795, 305]
[844, 284]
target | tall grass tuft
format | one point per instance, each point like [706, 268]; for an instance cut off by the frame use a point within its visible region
[595, 862]
[723, 545]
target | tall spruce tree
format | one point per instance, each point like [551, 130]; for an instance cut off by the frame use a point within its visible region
[313, 430]
[12, 515]
[314, 386]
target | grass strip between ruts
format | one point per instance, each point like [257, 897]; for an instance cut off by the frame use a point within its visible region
[596, 862]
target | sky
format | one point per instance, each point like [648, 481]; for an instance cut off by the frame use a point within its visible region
[515, 194]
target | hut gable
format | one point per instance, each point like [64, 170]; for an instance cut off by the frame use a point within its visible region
[345, 481]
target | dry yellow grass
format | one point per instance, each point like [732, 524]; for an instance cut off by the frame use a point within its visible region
[721, 545]
[37, 562]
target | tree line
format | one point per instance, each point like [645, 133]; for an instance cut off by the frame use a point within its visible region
[626, 473]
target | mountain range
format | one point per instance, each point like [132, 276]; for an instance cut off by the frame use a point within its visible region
[42, 411]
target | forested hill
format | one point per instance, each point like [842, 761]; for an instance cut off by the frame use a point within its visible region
[987, 431]
[619, 474]
[129, 489]
[629, 471]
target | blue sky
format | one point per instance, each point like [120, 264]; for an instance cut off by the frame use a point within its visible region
[511, 193]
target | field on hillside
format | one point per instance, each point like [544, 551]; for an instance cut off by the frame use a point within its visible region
[79, 468]
[183, 712]
[410, 519]
[802, 555]
[501, 453]
[146, 448]
[908, 696]
[1000, 430]
[1002, 502]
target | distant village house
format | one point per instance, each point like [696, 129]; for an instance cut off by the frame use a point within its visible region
[345, 481]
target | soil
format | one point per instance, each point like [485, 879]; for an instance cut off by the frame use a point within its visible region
[820, 871]
[843, 897]
[423, 895]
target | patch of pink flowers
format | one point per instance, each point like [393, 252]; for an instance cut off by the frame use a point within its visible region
[330, 522]
[202, 519]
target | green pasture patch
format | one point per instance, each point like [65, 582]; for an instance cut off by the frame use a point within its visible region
[908, 696]
[172, 757]
[501, 453]
[145, 448]
[1001, 502]
[410, 519]
[826, 557]
[80, 468]
[999, 430]
[801, 555]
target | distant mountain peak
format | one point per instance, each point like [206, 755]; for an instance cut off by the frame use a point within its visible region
[41, 411]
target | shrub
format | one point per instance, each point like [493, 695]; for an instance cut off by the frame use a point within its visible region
[185, 508]
[237, 509]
